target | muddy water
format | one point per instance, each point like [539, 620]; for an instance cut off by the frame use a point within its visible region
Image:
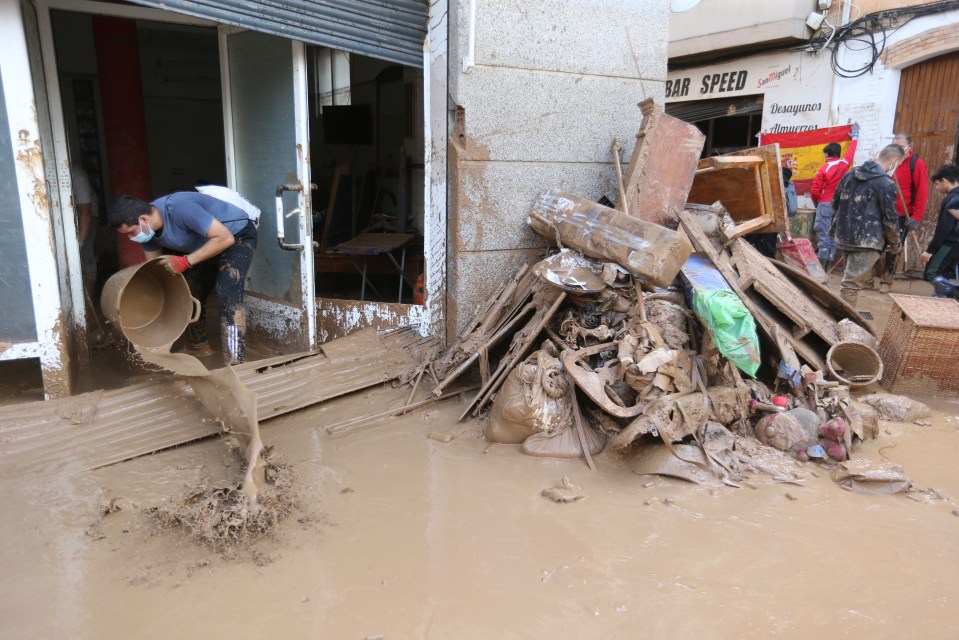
[402, 535]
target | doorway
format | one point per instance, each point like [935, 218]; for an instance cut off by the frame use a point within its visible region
[368, 212]
[928, 110]
[179, 67]
[204, 110]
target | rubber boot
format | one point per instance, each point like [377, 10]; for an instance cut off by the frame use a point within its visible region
[234, 345]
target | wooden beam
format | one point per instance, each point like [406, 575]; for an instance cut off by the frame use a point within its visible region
[749, 226]
[730, 162]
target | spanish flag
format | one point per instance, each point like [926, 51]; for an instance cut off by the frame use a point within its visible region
[801, 151]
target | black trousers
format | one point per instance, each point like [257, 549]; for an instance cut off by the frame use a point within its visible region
[226, 273]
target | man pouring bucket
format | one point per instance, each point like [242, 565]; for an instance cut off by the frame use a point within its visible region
[210, 235]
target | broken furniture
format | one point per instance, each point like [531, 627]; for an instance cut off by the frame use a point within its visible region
[788, 316]
[920, 346]
[651, 253]
[367, 245]
[656, 189]
[749, 183]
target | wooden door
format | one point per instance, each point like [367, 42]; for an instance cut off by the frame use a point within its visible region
[928, 110]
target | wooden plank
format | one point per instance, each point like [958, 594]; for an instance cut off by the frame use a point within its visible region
[662, 166]
[729, 162]
[742, 229]
[831, 302]
[793, 302]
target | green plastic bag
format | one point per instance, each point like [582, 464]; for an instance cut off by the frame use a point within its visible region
[731, 326]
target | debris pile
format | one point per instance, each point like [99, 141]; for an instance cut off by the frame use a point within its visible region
[656, 326]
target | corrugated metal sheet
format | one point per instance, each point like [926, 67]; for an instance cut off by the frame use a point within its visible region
[697, 110]
[391, 31]
[69, 435]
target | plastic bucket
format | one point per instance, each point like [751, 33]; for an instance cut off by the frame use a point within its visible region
[854, 364]
[150, 305]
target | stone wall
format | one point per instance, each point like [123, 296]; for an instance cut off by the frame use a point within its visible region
[548, 86]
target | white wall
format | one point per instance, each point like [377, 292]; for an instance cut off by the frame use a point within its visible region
[871, 99]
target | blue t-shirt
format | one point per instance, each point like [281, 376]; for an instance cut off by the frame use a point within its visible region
[187, 216]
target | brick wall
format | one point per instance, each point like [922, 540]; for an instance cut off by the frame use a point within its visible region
[922, 47]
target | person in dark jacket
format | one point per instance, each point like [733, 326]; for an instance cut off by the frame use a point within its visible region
[866, 220]
[942, 254]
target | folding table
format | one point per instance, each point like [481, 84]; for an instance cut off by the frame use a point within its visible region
[375, 244]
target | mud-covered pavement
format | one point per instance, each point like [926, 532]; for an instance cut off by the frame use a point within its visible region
[401, 535]
[396, 534]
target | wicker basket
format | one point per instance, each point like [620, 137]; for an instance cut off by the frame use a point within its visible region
[920, 347]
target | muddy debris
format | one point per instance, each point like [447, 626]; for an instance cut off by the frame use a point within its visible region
[673, 338]
[221, 518]
[564, 492]
[893, 408]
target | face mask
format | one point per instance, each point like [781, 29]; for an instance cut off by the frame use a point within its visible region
[144, 236]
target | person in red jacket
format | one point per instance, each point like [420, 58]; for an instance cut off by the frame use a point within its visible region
[823, 188]
[913, 178]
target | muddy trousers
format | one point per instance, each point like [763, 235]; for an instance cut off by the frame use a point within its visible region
[825, 245]
[890, 259]
[858, 273]
[227, 273]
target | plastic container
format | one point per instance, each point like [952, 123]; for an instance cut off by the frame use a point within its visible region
[150, 305]
[854, 364]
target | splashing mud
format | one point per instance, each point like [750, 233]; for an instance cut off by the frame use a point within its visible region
[221, 517]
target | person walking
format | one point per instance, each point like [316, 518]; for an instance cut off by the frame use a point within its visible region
[865, 220]
[942, 254]
[823, 188]
[913, 179]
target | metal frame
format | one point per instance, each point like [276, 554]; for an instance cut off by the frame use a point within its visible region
[61, 176]
[267, 308]
[34, 193]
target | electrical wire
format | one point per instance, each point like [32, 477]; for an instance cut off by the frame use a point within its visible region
[870, 33]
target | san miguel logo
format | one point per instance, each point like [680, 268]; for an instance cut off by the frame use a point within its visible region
[773, 76]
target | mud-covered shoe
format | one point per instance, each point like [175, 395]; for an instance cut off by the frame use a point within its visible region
[884, 287]
[200, 350]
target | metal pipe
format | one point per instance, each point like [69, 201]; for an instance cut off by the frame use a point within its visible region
[468, 59]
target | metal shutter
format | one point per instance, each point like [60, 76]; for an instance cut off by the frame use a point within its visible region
[391, 31]
[698, 110]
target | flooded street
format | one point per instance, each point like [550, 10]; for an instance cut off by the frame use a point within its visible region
[403, 536]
